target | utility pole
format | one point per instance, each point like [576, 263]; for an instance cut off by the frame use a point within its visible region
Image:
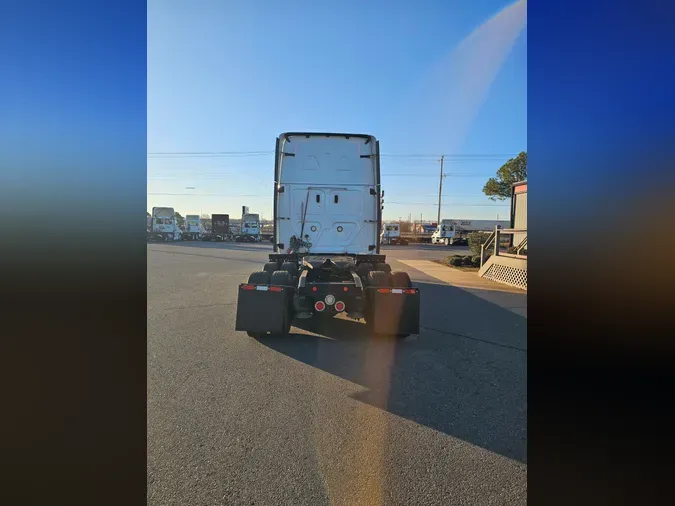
[440, 189]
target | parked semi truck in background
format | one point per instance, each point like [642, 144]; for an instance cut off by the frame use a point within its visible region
[450, 232]
[250, 227]
[326, 260]
[164, 227]
[220, 229]
[193, 228]
[391, 235]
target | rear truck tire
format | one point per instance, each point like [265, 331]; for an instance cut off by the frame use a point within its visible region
[271, 267]
[452, 241]
[291, 267]
[363, 269]
[281, 278]
[378, 279]
[400, 279]
[446, 242]
[383, 267]
[259, 278]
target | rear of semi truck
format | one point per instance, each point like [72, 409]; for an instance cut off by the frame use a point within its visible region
[220, 227]
[164, 227]
[250, 228]
[193, 227]
[326, 260]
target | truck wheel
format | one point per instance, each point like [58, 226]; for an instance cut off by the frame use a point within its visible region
[452, 241]
[446, 242]
[259, 278]
[383, 267]
[400, 279]
[378, 278]
[291, 267]
[281, 278]
[271, 267]
[363, 269]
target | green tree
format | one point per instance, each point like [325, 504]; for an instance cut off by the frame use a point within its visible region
[513, 171]
[180, 221]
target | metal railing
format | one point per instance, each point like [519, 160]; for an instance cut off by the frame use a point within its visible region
[494, 242]
[522, 245]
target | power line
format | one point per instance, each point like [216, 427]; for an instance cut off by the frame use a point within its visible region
[268, 197]
[208, 154]
[436, 194]
[229, 175]
[213, 194]
[446, 205]
[451, 174]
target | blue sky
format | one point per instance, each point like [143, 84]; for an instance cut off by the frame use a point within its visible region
[231, 76]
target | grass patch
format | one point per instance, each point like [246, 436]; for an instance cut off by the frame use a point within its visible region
[463, 268]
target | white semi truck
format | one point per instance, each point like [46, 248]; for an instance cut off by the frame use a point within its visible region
[450, 232]
[326, 259]
[164, 227]
[391, 235]
[250, 227]
[193, 228]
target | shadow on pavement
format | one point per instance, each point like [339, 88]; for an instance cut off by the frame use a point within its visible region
[464, 375]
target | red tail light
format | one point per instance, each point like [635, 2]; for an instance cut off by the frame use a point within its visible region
[275, 288]
[383, 290]
[339, 306]
[345, 288]
[314, 288]
[409, 291]
[248, 287]
[320, 305]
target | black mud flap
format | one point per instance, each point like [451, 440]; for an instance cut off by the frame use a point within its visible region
[394, 310]
[262, 309]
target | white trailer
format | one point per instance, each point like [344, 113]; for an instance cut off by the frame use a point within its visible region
[450, 232]
[164, 227]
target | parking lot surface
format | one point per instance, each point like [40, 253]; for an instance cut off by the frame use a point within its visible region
[329, 415]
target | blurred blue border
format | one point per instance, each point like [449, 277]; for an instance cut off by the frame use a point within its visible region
[73, 102]
[600, 107]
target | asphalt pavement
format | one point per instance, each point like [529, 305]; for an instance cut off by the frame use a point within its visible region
[329, 415]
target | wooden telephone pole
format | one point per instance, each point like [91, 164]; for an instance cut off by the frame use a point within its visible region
[440, 189]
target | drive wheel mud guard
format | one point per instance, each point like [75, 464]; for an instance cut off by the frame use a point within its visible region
[263, 309]
[393, 311]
